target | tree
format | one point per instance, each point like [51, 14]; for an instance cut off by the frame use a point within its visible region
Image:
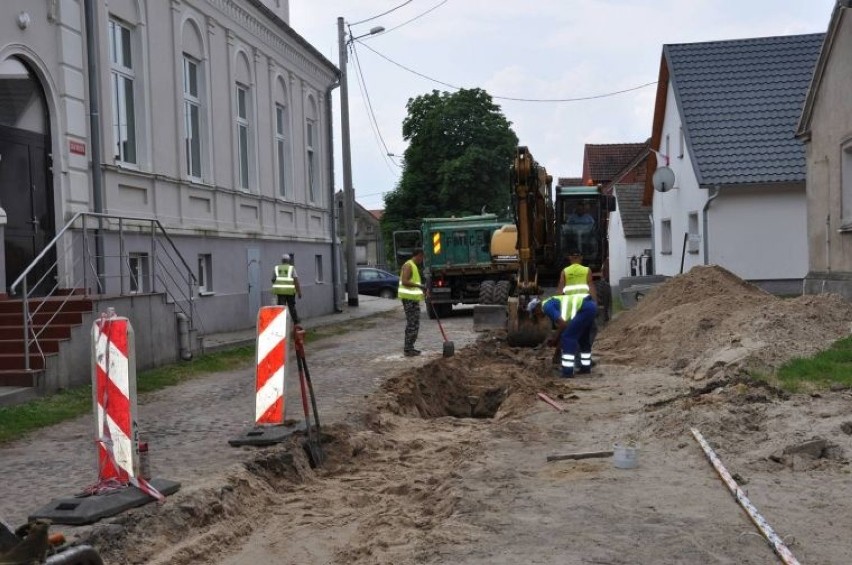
[460, 147]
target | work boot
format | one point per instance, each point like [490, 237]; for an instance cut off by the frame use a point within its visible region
[411, 352]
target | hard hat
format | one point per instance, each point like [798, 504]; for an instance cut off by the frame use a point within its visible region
[285, 257]
[532, 305]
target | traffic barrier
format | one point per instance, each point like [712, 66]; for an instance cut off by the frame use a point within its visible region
[116, 433]
[274, 348]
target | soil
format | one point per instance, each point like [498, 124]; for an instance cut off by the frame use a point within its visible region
[447, 462]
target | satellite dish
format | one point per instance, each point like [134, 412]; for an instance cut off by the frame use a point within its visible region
[663, 179]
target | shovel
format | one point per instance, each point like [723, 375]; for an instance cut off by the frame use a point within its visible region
[449, 346]
[312, 446]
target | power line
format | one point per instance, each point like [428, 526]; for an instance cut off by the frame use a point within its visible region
[362, 84]
[383, 13]
[577, 99]
[417, 17]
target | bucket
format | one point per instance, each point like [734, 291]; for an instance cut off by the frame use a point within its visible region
[625, 456]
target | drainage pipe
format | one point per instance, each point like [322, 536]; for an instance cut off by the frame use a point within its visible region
[704, 215]
[183, 336]
[95, 135]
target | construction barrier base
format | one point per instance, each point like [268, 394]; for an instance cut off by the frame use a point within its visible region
[76, 511]
[489, 317]
[267, 435]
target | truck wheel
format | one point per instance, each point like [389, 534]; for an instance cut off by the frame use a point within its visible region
[486, 292]
[501, 292]
[604, 302]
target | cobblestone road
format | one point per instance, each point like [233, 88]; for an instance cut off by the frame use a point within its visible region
[188, 426]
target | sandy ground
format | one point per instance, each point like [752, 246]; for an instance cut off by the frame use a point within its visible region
[444, 460]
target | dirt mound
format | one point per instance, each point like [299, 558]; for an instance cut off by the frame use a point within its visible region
[709, 322]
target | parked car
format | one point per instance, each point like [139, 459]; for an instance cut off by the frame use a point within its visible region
[377, 282]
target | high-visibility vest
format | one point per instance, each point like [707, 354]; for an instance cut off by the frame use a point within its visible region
[284, 281]
[406, 292]
[569, 304]
[576, 279]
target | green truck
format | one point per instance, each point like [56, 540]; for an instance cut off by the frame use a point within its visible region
[458, 263]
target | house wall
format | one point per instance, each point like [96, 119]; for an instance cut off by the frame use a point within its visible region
[621, 249]
[829, 233]
[676, 204]
[757, 245]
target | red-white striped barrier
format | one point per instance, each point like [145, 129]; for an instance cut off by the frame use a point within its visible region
[114, 389]
[272, 331]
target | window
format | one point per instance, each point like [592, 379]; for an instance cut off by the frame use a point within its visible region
[121, 92]
[139, 272]
[205, 273]
[318, 267]
[846, 187]
[282, 150]
[312, 162]
[694, 238]
[243, 136]
[192, 117]
[666, 237]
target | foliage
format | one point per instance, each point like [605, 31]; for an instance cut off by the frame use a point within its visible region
[830, 367]
[460, 147]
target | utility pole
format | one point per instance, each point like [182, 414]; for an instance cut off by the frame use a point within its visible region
[348, 191]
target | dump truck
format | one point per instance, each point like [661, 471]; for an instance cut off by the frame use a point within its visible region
[459, 266]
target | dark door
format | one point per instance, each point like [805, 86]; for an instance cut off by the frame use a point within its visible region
[26, 197]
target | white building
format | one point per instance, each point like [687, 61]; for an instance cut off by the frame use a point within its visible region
[214, 119]
[724, 122]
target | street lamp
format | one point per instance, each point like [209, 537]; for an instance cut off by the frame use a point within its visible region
[348, 191]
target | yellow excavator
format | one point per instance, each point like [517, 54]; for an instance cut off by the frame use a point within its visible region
[542, 233]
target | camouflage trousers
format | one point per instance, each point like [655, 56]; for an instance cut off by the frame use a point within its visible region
[412, 322]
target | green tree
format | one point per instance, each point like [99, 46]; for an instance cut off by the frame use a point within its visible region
[460, 147]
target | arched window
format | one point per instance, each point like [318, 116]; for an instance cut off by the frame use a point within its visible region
[311, 145]
[194, 102]
[22, 104]
[244, 125]
[282, 139]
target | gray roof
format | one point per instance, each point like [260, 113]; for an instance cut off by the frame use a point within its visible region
[740, 102]
[634, 217]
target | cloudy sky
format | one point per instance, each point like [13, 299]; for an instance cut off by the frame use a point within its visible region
[537, 50]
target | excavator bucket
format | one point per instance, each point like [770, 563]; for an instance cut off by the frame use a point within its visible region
[524, 330]
[489, 317]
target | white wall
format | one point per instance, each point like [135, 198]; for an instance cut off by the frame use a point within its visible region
[621, 249]
[760, 234]
[678, 203]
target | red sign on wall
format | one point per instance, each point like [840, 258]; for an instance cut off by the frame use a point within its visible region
[77, 147]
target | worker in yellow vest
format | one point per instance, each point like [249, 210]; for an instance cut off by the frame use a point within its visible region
[411, 291]
[572, 316]
[576, 278]
[285, 286]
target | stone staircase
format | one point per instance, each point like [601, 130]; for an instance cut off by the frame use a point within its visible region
[53, 320]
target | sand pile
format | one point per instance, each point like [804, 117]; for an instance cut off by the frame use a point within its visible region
[708, 322]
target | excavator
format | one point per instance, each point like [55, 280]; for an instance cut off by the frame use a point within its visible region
[545, 228]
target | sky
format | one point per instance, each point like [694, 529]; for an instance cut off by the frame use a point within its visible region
[536, 50]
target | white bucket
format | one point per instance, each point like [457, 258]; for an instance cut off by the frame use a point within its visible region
[625, 456]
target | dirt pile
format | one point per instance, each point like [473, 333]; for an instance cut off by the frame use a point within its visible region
[709, 322]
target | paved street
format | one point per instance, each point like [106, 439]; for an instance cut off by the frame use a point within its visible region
[188, 426]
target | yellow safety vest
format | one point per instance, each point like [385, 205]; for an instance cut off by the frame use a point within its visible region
[569, 304]
[284, 282]
[576, 279]
[408, 293]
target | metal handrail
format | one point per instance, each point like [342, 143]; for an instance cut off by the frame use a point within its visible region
[157, 233]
